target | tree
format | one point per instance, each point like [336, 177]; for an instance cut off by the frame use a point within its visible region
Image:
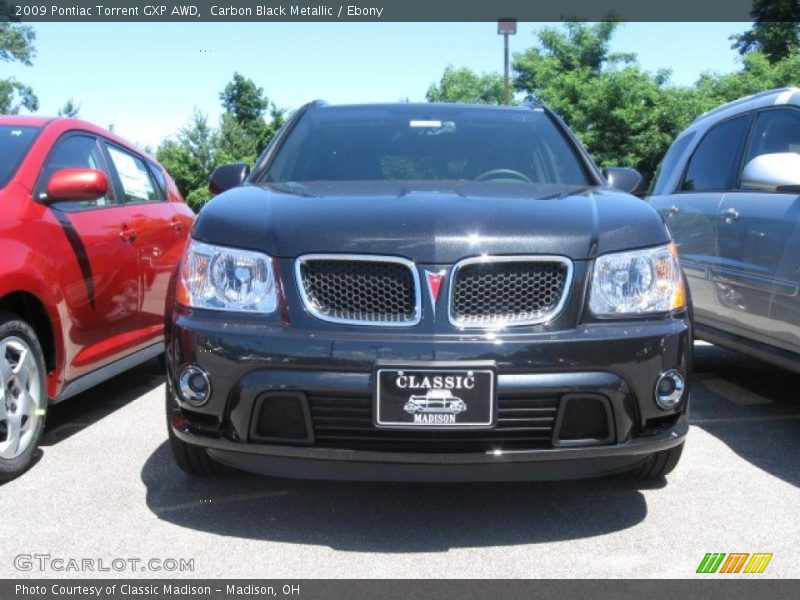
[758, 73]
[246, 103]
[246, 127]
[16, 44]
[190, 158]
[775, 32]
[70, 109]
[464, 85]
[621, 113]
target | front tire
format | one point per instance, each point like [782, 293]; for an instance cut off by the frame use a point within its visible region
[658, 464]
[23, 395]
[191, 459]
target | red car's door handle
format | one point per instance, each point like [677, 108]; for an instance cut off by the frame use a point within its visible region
[127, 234]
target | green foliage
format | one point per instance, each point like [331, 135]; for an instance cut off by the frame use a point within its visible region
[197, 198]
[16, 44]
[15, 96]
[245, 103]
[757, 74]
[464, 85]
[70, 109]
[775, 32]
[248, 124]
[191, 156]
[623, 114]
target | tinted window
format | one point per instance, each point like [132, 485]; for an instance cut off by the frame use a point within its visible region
[670, 162]
[74, 152]
[426, 143]
[137, 184]
[14, 144]
[158, 175]
[715, 163]
[775, 131]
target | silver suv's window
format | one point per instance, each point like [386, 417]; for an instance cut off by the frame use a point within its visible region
[14, 144]
[775, 131]
[714, 166]
[427, 143]
[665, 170]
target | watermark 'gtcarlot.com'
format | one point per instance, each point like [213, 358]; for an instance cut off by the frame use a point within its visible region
[73, 564]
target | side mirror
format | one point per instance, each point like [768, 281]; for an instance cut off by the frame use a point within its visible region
[226, 177]
[76, 184]
[626, 179]
[777, 172]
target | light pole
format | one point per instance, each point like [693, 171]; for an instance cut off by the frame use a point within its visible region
[506, 27]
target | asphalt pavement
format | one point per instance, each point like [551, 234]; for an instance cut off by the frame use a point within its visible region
[106, 494]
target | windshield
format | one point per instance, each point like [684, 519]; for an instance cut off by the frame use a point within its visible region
[14, 143]
[426, 143]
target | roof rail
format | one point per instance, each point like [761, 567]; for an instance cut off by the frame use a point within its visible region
[317, 103]
[744, 100]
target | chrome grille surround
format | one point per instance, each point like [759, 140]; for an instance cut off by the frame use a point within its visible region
[494, 321]
[323, 313]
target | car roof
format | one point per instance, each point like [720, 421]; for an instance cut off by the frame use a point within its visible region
[64, 124]
[24, 120]
[776, 97]
[321, 104]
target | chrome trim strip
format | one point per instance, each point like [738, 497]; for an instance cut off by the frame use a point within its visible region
[309, 305]
[503, 259]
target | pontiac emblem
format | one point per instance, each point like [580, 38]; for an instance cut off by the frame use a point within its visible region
[434, 285]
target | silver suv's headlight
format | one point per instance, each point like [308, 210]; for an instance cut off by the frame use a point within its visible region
[637, 282]
[222, 278]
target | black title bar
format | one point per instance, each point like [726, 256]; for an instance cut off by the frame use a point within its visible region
[374, 10]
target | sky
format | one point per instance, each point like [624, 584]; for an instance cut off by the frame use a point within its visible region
[147, 79]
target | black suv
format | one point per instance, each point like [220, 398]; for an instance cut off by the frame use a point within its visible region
[428, 292]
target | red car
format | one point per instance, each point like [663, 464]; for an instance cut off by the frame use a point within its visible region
[91, 230]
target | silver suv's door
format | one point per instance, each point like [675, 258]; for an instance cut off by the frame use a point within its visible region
[759, 245]
[691, 210]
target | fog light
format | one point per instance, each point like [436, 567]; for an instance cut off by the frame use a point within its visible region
[669, 389]
[194, 385]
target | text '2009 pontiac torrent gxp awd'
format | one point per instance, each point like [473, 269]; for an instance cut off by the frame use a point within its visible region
[428, 292]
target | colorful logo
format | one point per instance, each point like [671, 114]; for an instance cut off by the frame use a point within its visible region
[734, 562]
[434, 285]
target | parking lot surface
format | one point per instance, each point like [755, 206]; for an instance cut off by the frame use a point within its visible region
[105, 487]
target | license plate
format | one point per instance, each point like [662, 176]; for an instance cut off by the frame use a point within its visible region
[422, 398]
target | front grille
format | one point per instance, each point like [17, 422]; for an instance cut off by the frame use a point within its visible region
[361, 290]
[524, 422]
[514, 291]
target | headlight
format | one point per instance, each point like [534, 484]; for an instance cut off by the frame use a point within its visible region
[223, 278]
[637, 282]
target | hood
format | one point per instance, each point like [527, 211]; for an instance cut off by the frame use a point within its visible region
[431, 222]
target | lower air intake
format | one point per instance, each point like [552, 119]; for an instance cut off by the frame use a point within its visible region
[584, 418]
[281, 417]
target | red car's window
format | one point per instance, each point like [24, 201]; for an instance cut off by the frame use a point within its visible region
[14, 144]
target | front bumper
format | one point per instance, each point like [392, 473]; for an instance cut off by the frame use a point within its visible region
[619, 361]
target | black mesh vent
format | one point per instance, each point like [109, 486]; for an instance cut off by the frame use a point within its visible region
[497, 292]
[356, 290]
[584, 418]
[523, 422]
[281, 416]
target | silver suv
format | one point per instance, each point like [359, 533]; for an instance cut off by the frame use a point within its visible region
[729, 191]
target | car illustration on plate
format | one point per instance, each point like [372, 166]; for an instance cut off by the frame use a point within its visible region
[435, 401]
